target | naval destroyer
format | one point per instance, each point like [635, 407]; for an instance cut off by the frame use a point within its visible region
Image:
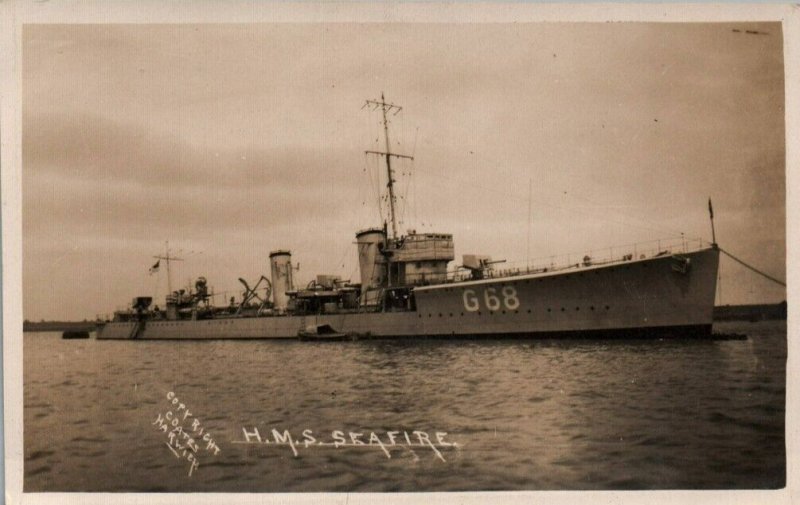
[408, 288]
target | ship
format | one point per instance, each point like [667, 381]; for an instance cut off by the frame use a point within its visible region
[409, 287]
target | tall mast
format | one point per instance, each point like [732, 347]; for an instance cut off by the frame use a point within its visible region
[388, 107]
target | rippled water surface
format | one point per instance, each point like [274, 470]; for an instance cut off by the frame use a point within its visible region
[524, 414]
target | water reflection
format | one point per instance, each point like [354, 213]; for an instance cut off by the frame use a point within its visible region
[528, 414]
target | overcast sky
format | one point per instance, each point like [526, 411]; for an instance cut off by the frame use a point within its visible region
[234, 140]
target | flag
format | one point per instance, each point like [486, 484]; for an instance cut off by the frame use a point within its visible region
[154, 268]
[710, 209]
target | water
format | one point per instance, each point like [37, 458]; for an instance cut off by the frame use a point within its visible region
[526, 415]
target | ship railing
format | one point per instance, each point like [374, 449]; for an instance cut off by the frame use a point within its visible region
[596, 257]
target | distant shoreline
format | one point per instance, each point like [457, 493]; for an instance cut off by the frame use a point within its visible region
[760, 312]
[31, 326]
[753, 312]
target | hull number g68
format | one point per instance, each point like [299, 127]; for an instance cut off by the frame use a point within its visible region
[491, 299]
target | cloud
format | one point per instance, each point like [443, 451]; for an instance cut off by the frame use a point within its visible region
[94, 148]
[238, 139]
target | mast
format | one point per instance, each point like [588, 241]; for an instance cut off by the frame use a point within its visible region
[713, 232]
[166, 257]
[388, 107]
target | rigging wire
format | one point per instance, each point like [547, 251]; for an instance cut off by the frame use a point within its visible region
[643, 223]
[625, 219]
[413, 181]
[409, 178]
[374, 182]
[517, 196]
[158, 281]
[624, 215]
[751, 267]
[413, 185]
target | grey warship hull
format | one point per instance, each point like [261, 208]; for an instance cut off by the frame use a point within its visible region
[658, 297]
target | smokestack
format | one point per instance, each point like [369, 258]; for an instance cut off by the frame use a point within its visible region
[280, 263]
[371, 262]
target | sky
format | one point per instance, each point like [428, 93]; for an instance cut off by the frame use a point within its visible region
[529, 140]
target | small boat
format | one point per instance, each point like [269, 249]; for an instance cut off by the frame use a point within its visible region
[324, 332]
[70, 334]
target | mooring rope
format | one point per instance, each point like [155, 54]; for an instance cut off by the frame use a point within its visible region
[754, 269]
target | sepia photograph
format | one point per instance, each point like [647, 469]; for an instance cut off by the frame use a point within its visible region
[345, 255]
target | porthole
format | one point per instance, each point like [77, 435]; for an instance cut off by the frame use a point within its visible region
[563, 309]
[591, 308]
[529, 311]
[577, 309]
[607, 307]
[549, 310]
